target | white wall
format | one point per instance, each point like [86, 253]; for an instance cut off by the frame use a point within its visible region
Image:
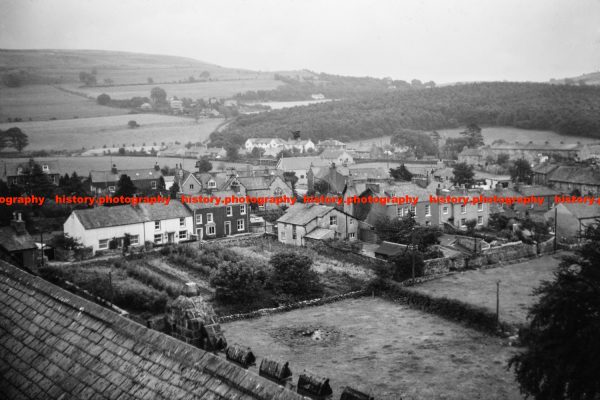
[92, 237]
[169, 226]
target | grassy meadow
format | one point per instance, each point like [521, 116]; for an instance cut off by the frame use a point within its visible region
[44, 102]
[75, 134]
[385, 349]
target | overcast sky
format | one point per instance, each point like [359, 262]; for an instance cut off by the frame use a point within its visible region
[442, 40]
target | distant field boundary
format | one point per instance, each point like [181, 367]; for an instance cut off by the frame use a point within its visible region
[293, 306]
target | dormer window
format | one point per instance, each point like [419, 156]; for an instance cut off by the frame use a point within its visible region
[45, 168]
[19, 170]
[212, 184]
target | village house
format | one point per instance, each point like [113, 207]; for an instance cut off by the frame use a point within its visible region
[144, 179]
[589, 151]
[488, 181]
[212, 221]
[330, 144]
[531, 152]
[303, 222]
[571, 220]
[264, 144]
[458, 214]
[17, 173]
[266, 186]
[569, 178]
[158, 224]
[334, 179]
[16, 245]
[300, 166]
[471, 157]
[541, 172]
[339, 157]
[220, 181]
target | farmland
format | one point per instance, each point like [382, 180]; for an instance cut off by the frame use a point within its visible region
[197, 90]
[478, 287]
[383, 348]
[43, 102]
[75, 134]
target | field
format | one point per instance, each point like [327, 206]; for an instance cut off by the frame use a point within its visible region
[197, 90]
[43, 102]
[83, 165]
[478, 287]
[382, 348]
[75, 134]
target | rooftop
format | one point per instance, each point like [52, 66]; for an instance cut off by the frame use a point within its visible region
[297, 163]
[11, 241]
[55, 344]
[302, 214]
[134, 174]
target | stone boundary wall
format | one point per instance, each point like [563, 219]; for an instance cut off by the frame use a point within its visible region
[293, 306]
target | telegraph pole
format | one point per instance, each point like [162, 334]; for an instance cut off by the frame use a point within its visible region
[555, 226]
[498, 302]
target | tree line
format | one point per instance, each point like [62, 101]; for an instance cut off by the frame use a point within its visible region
[568, 110]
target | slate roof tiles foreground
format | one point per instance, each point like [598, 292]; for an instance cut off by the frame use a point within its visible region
[54, 344]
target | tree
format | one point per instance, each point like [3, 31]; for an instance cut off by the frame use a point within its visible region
[87, 78]
[13, 79]
[396, 230]
[521, 171]
[291, 178]
[232, 153]
[4, 140]
[38, 182]
[562, 347]
[150, 80]
[235, 282]
[401, 173]
[471, 224]
[103, 99]
[473, 135]
[292, 275]
[296, 135]
[132, 124]
[256, 152]
[502, 158]
[203, 165]
[17, 139]
[463, 175]
[158, 95]
[403, 265]
[125, 187]
[174, 190]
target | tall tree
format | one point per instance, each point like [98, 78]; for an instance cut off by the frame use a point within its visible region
[292, 275]
[125, 187]
[203, 165]
[296, 135]
[16, 138]
[473, 135]
[232, 153]
[463, 175]
[158, 95]
[562, 358]
[521, 171]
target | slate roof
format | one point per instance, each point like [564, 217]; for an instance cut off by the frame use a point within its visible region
[301, 214]
[576, 174]
[405, 189]
[134, 174]
[256, 182]
[103, 217]
[10, 241]
[11, 168]
[56, 345]
[320, 234]
[390, 249]
[544, 168]
[537, 190]
[332, 154]
[583, 211]
[160, 212]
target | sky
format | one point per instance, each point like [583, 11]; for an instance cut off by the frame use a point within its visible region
[441, 40]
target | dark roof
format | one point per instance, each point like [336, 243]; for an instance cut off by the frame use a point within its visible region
[159, 211]
[583, 211]
[390, 249]
[134, 174]
[102, 217]
[11, 168]
[301, 214]
[10, 241]
[256, 182]
[544, 168]
[54, 344]
[537, 190]
[576, 174]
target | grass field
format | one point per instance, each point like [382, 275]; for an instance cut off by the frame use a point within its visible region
[43, 102]
[382, 348]
[76, 134]
[197, 90]
[478, 287]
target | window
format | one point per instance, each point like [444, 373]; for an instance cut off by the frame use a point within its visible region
[158, 238]
[182, 235]
[191, 186]
[463, 209]
[294, 235]
[351, 222]
[301, 176]
[181, 221]
[352, 235]
[479, 206]
[111, 189]
[243, 209]
[333, 220]
[134, 240]
[199, 219]
[153, 184]
[210, 230]
[283, 234]
[480, 220]
[212, 184]
[463, 222]
[445, 210]
[240, 225]
[209, 218]
[427, 210]
[412, 209]
[229, 211]
[157, 225]
[278, 192]
[103, 244]
[400, 211]
[45, 168]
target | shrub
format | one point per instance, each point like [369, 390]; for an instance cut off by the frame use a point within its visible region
[292, 274]
[235, 283]
[402, 265]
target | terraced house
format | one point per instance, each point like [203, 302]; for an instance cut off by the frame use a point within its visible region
[212, 221]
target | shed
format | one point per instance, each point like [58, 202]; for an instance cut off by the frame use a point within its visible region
[313, 386]
[242, 356]
[353, 394]
[277, 371]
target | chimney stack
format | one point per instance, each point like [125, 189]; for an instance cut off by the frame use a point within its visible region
[18, 224]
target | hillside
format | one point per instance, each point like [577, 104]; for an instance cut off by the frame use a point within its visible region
[592, 78]
[568, 110]
[64, 66]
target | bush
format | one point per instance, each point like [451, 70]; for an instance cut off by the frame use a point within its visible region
[236, 283]
[292, 274]
[402, 265]
[103, 99]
